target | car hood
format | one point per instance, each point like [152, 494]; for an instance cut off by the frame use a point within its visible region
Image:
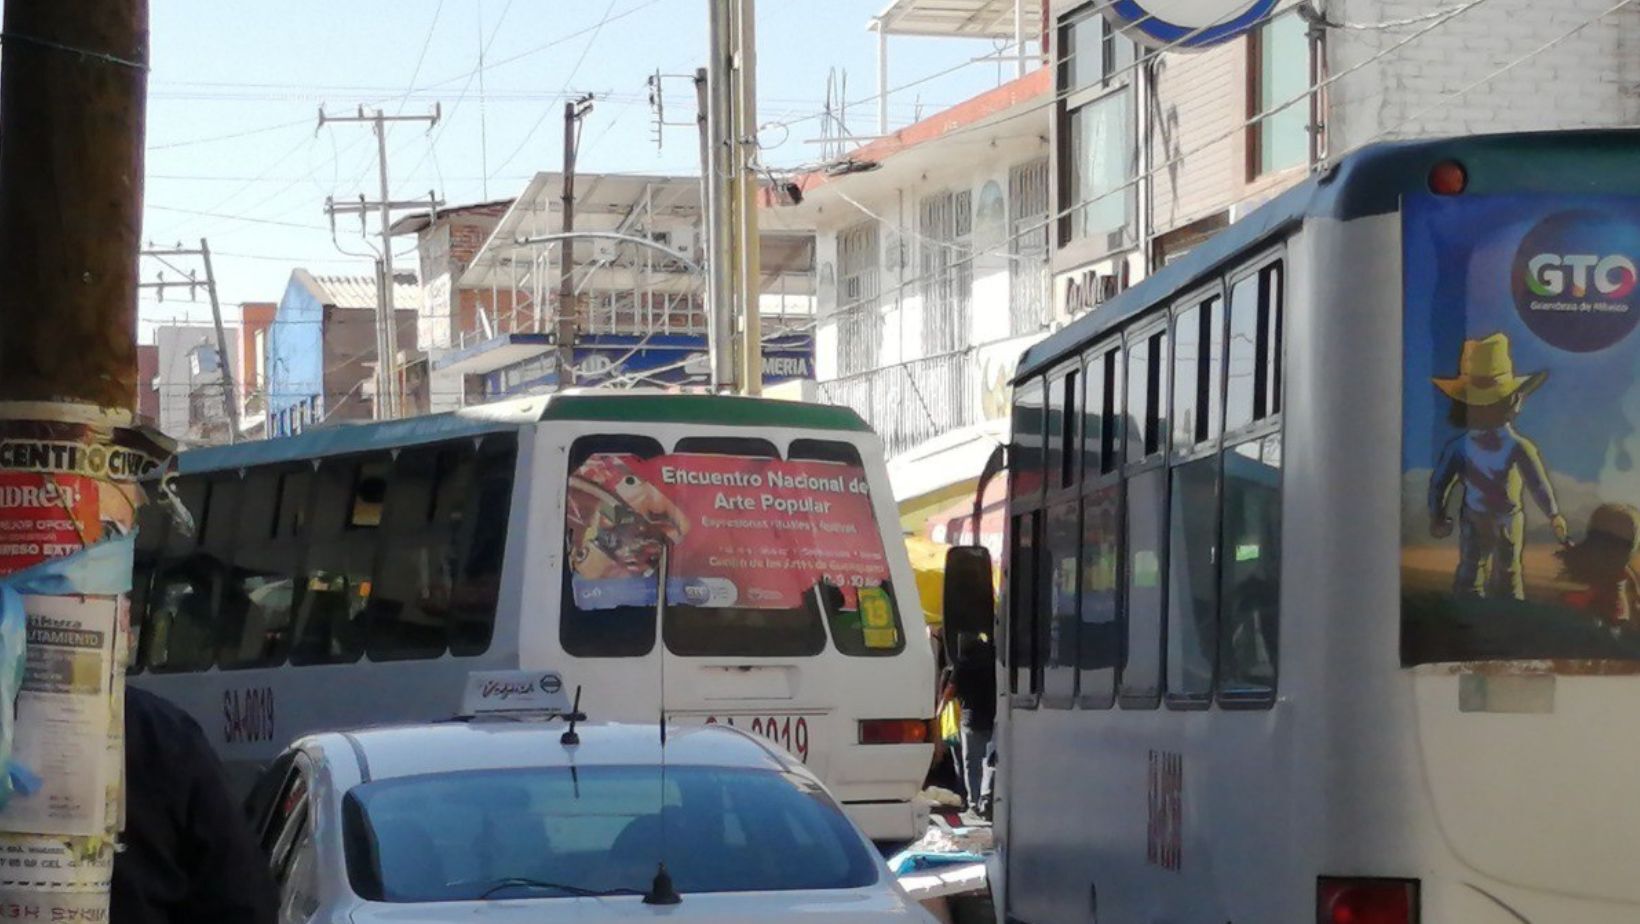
[833, 907]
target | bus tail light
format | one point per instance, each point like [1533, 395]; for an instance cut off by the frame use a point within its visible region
[1366, 901]
[1448, 178]
[896, 731]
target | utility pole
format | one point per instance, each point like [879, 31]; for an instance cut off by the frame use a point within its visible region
[387, 333]
[229, 396]
[745, 142]
[73, 94]
[569, 310]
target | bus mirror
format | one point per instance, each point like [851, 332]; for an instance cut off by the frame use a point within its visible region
[968, 601]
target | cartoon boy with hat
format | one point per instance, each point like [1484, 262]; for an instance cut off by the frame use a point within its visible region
[1493, 463]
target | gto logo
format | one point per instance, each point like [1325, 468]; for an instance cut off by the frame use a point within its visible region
[1612, 276]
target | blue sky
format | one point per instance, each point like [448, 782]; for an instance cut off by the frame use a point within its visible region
[235, 89]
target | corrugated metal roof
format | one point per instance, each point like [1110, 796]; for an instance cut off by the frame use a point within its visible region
[360, 291]
[970, 18]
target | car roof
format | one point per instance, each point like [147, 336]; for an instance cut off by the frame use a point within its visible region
[495, 743]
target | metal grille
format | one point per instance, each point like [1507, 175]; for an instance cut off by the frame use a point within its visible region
[858, 315]
[1029, 307]
[945, 273]
[913, 402]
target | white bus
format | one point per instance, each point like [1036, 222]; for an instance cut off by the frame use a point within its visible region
[357, 574]
[1321, 601]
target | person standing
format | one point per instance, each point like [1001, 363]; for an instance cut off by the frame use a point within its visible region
[974, 685]
[187, 854]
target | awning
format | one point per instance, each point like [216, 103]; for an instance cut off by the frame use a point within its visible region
[928, 566]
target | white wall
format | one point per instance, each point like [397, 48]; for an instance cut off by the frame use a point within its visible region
[1588, 80]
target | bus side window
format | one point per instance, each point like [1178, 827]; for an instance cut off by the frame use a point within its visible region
[254, 624]
[481, 544]
[341, 551]
[181, 632]
[1099, 641]
[1024, 544]
[409, 600]
[593, 631]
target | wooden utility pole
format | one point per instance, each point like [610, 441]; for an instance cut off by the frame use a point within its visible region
[569, 311]
[73, 88]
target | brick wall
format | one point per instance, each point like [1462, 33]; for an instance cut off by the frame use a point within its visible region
[1588, 80]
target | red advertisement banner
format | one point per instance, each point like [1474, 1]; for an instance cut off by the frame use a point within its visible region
[743, 531]
[38, 517]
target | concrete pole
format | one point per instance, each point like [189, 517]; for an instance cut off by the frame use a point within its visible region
[882, 78]
[1019, 38]
[721, 171]
[228, 391]
[568, 318]
[73, 87]
[750, 266]
[388, 362]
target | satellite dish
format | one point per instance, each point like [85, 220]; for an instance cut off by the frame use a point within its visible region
[1186, 25]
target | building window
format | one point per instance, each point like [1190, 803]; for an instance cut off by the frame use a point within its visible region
[1099, 152]
[203, 360]
[1029, 308]
[858, 316]
[1279, 71]
[945, 223]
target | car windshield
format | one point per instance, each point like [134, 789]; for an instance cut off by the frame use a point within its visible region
[555, 832]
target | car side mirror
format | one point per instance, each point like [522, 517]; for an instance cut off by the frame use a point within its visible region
[970, 606]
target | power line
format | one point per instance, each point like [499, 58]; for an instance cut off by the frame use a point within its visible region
[596, 30]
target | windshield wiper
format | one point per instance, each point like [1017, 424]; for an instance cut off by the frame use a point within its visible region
[520, 882]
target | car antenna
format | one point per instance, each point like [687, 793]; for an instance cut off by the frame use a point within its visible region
[661, 890]
[569, 738]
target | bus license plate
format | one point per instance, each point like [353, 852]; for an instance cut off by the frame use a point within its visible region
[789, 731]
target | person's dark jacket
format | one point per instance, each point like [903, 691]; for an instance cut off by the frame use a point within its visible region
[188, 854]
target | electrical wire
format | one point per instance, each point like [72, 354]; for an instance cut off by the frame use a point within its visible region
[591, 40]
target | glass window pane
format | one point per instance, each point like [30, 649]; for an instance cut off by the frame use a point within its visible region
[1192, 579]
[1242, 381]
[1022, 600]
[1110, 442]
[1099, 640]
[1053, 463]
[1082, 51]
[1103, 156]
[624, 631]
[1274, 322]
[1059, 628]
[1156, 402]
[1248, 646]
[1138, 396]
[1025, 468]
[293, 501]
[1069, 418]
[1213, 389]
[254, 616]
[1187, 359]
[482, 528]
[1093, 411]
[1283, 75]
[1142, 668]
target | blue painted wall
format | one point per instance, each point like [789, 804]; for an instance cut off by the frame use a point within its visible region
[295, 356]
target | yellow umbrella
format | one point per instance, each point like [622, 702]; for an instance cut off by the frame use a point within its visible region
[928, 565]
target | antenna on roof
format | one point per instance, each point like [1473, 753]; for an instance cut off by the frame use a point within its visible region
[569, 738]
[661, 890]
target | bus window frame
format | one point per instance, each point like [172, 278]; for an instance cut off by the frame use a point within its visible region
[1272, 425]
[1057, 492]
[1149, 324]
[1197, 451]
[1028, 511]
[1109, 474]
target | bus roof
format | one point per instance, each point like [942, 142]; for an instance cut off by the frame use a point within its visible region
[1368, 182]
[642, 407]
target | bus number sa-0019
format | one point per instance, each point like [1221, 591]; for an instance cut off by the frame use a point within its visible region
[790, 732]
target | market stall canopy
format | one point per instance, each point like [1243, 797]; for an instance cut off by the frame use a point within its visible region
[928, 565]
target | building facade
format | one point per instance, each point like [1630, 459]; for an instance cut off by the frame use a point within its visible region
[321, 349]
[192, 394]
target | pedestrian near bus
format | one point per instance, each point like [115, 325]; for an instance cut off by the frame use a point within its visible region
[974, 686]
[187, 854]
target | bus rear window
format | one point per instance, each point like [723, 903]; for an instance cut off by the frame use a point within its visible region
[761, 554]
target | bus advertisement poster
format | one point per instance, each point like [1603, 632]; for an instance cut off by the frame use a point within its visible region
[1520, 450]
[739, 531]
